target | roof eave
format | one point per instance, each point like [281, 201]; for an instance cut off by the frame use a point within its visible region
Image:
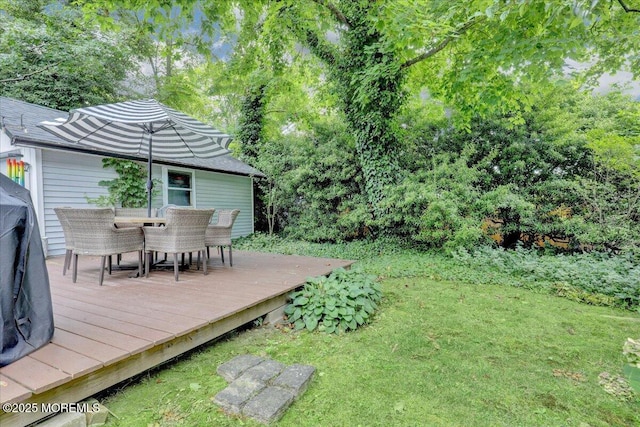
[25, 141]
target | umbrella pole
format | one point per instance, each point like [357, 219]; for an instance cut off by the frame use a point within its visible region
[149, 180]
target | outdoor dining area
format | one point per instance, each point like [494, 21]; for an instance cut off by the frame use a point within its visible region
[171, 230]
[100, 331]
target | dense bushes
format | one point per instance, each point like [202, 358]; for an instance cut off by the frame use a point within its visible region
[569, 172]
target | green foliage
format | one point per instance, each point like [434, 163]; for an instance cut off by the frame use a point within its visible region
[560, 174]
[322, 186]
[480, 70]
[51, 57]
[441, 205]
[574, 293]
[128, 190]
[354, 250]
[631, 351]
[341, 302]
[595, 278]
[367, 79]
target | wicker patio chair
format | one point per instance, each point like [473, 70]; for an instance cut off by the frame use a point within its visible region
[68, 236]
[163, 210]
[94, 233]
[183, 233]
[219, 234]
[131, 212]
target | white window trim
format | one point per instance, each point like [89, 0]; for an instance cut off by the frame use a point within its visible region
[165, 183]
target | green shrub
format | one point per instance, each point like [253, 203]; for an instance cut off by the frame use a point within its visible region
[595, 278]
[340, 302]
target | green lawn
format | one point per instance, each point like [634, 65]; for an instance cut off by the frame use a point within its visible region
[438, 353]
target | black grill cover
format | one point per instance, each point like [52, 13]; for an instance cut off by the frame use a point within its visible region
[26, 315]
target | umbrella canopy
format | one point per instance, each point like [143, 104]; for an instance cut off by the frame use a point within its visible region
[146, 128]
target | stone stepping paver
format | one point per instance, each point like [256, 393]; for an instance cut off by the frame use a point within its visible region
[261, 388]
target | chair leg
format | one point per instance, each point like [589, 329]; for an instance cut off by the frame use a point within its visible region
[198, 260]
[230, 257]
[147, 266]
[67, 261]
[204, 264]
[103, 259]
[221, 249]
[176, 269]
[139, 263]
[110, 263]
[75, 268]
[208, 253]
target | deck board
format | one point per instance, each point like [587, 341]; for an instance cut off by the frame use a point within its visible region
[116, 325]
[103, 353]
[162, 325]
[70, 362]
[34, 374]
[12, 391]
[106, 334]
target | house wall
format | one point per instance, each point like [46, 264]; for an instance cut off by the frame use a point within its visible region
[224, 191]
[68, 178]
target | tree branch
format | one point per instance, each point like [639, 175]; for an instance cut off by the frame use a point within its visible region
[319, 47]
[437, 48]
[26, 76]
[626, 8]
[336, 12]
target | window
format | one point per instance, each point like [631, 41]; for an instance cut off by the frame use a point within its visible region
[179, 188]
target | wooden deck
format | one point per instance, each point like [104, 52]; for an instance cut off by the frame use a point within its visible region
[106, 334]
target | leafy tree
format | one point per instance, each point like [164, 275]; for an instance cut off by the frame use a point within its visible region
[473, 55]
[378, 43]
[51, 57]
[325, 197]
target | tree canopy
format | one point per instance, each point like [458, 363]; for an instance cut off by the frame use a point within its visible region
[400, 88]
[51, 56]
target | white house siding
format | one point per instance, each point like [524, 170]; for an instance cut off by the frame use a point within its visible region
[224, 191]
[68, 178]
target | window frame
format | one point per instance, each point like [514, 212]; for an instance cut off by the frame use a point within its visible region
[166, 170]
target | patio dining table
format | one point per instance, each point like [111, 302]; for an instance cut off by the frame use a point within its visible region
[137, 221]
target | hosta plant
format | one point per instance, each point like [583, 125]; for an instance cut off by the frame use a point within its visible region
[341, 302]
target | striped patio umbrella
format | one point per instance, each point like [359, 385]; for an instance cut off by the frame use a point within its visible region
[146, 128]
